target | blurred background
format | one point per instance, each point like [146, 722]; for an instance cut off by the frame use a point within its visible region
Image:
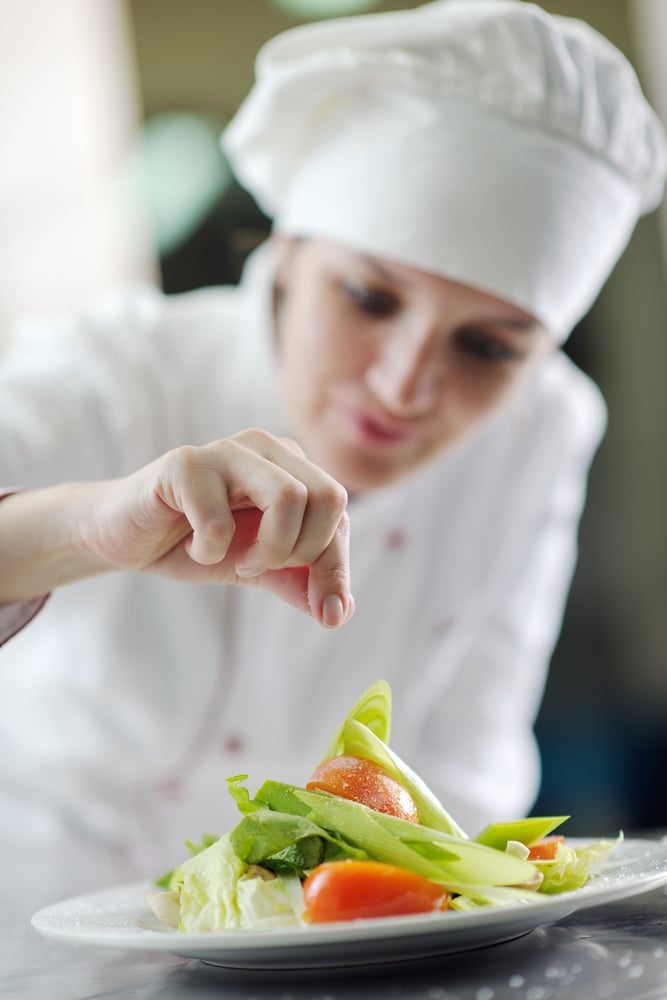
[111, 174]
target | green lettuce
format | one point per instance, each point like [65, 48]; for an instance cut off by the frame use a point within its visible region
[169, 880]
[217, 892]
[571, 868]
[282, 842]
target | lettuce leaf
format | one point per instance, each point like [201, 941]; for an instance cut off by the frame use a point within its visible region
[266, 903]
[206, 884]
[217, 892]
[571, 868]
[169, 879]
[287, 843]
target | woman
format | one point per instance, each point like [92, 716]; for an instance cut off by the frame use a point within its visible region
[450, 187]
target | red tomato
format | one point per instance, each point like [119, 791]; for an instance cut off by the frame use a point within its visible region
[348, 890]
[364, 781]
[545, 849]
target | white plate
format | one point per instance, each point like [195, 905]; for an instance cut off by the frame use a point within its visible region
[120, 918]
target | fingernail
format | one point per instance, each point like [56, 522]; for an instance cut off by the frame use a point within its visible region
[333, 612]
[247, 571]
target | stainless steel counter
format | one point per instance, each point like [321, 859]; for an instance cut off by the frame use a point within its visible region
[618, 951]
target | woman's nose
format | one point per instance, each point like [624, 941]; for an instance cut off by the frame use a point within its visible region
[405, 374]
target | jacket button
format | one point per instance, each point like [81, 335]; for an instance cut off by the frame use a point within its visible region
[396, 539]
[170, 788]
[232, 744]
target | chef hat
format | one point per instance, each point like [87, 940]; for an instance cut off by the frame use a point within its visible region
[483, 140]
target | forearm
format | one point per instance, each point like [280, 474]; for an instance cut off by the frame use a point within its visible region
[40, 546]
[248, 509]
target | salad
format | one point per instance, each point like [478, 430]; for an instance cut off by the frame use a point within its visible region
[364, 838]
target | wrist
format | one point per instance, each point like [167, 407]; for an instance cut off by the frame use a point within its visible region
[41, 540]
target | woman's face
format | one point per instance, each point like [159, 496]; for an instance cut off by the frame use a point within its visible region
[384, 365]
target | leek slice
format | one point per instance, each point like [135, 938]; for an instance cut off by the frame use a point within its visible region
[373, 710]
[359, 741]
[525, 831]
[435, 854]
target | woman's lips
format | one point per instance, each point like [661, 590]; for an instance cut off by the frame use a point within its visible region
[379, 429]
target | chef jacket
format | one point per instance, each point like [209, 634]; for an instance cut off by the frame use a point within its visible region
[129, 699]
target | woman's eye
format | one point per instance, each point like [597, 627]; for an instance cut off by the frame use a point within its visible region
[484, 346]
[370, 300]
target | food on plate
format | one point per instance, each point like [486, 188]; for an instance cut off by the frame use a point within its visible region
[349, 890]
[364, 838]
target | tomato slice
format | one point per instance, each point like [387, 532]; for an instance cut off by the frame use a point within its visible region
[364, 781]
[545, 849]
[350, 890]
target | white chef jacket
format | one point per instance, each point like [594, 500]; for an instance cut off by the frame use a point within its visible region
[129, 698]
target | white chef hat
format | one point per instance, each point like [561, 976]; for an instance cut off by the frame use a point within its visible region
[483, 140]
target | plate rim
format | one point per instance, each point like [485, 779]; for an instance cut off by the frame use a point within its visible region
[227, 944]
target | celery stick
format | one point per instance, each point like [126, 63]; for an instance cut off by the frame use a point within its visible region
[526, 831]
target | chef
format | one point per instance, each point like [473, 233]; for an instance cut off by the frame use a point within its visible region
[186, 476]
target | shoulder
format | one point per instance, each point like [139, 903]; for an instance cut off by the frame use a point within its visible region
[143, 315]
[124, 313]
[565, 404]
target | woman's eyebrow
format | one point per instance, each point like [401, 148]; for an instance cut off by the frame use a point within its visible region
[383, 270]
[522, 324]
[519, 324]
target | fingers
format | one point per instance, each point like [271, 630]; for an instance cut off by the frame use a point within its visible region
[329, 594]
[321, 589]
[302, 505]
[196, 488]
[256, 503]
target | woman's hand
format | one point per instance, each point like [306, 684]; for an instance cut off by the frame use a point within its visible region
[248, 509]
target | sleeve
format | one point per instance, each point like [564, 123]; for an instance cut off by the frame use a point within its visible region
[75, 396]
[89, 396]
[14, 617]
[102, 393]
[477, 699]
